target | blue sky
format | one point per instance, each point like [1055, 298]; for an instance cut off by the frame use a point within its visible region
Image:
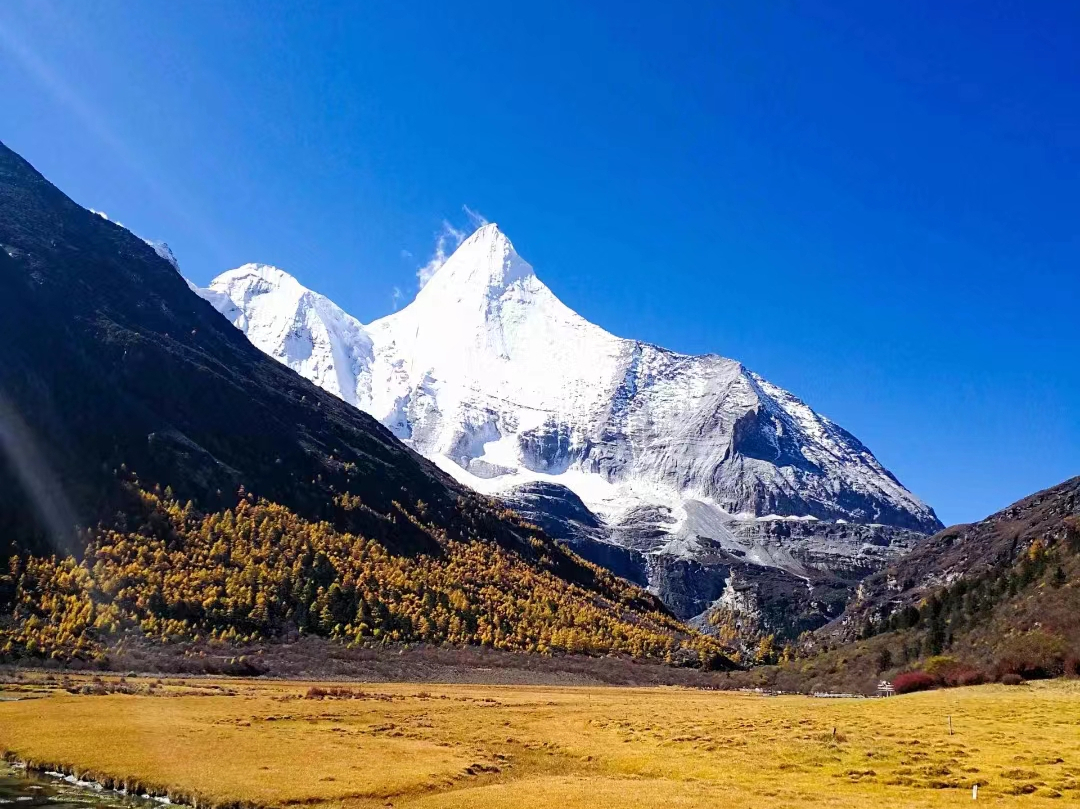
[874, 205]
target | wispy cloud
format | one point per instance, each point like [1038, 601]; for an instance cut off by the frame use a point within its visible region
[395, 297]
[476, 219]
[447, 240]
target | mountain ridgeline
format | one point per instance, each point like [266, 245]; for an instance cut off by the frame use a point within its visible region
[724, 494]
[163, 479]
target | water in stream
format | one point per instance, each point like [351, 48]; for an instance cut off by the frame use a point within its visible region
[18, 789]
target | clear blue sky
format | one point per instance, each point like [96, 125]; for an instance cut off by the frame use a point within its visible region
[874, 205]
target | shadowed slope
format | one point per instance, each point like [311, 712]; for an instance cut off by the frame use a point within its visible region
[110, 360]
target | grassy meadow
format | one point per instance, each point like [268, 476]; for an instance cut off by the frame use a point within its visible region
[266, 743]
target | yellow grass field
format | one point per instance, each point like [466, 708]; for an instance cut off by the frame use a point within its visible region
[259, 743]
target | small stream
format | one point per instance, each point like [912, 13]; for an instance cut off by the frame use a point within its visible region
[19, 788]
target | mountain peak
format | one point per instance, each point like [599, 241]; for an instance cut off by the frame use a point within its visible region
[488, 230]
[489, 234]
[487, 365]
[266, 275]
[485, 262]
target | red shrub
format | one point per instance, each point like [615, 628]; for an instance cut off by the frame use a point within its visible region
[967, 677]
[950, 672]
[913, 681]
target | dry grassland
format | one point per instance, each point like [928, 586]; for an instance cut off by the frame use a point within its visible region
[261, 743]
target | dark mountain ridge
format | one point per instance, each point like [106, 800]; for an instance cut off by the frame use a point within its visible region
[111, 360]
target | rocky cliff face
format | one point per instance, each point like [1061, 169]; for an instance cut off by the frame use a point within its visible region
[775, 576]
[674, 469]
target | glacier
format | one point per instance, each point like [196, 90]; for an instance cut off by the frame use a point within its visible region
[685, 473]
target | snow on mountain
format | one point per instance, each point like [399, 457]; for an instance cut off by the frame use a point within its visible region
[161, 248]
[165, 252]
[301, 328]
[492, 377]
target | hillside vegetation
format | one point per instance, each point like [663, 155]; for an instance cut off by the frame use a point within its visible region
[169, 573]
[1010, 604]
[1017, 617]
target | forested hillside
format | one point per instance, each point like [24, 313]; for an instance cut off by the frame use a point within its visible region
[258, 571]
[1001, 596]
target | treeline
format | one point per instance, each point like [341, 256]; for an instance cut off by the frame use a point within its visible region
[166, 572]
[1024, 609]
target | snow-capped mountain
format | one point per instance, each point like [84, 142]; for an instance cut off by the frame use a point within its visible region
[298, 327]
[492, 377]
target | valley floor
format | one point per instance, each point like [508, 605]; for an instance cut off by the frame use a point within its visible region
[272, 743]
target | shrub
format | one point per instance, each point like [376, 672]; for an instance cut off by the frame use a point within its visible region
[913, 681]
[1072, 666]
[939, 666]
[1011, 678]
[951, 672]
[966, 676]
[1033, 655]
